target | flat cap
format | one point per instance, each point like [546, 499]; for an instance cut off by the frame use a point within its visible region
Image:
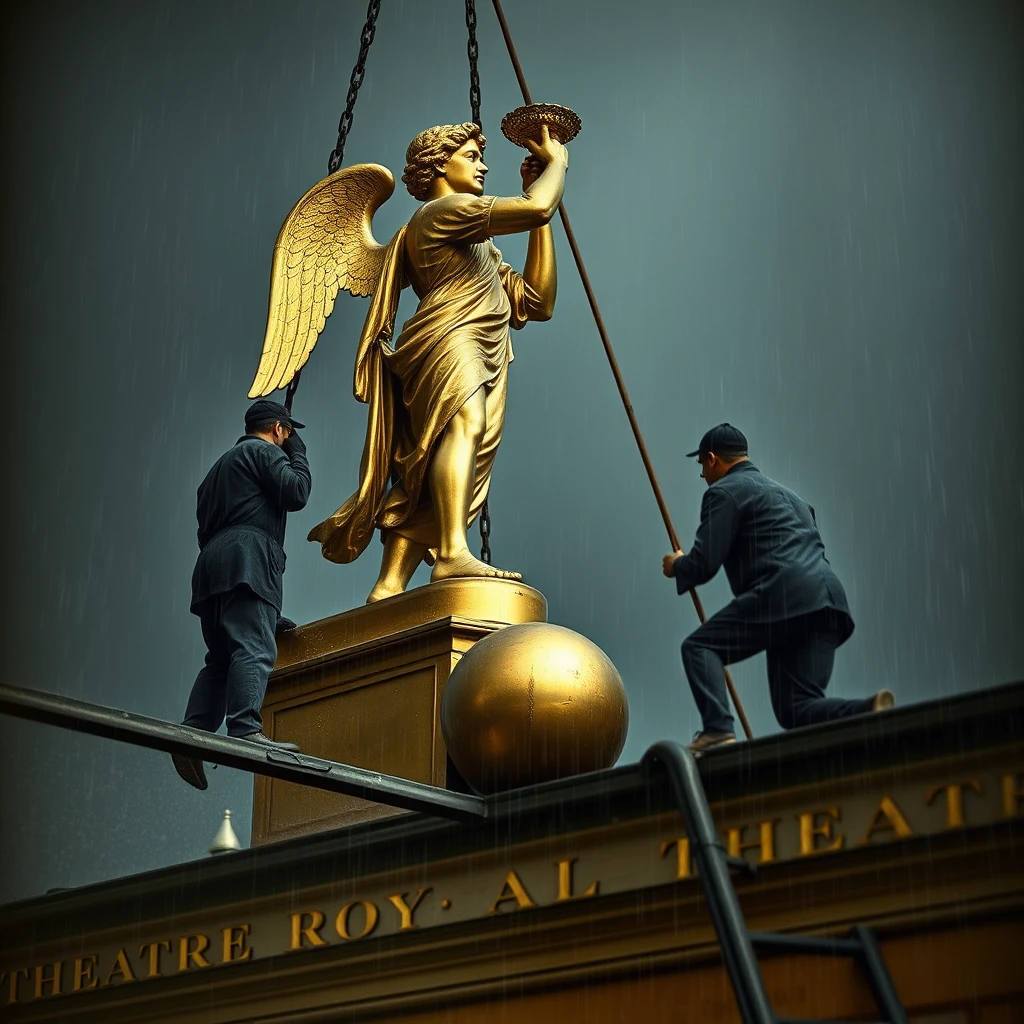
[724, 439]
[263, 412]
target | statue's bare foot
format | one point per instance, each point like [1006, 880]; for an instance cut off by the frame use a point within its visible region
[464, 564]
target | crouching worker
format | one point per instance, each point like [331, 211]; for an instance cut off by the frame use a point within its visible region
[788, 601]
[236, 586]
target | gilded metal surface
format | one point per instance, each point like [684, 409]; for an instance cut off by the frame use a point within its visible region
[525, 123]
[325, 244]
[365, 687]
[483, 600]
[531, 703]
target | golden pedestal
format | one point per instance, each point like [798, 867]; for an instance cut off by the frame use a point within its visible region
[364, 688]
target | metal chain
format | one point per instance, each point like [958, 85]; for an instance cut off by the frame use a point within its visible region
[338, 153]
[474, 53]
[485, 533]
[358, 72]
[289, 395]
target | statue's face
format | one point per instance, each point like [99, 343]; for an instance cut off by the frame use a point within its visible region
[465, 169]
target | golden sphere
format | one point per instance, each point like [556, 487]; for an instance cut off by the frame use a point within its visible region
[530, 703]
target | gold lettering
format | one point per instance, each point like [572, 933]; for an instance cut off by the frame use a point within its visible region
[234, 940]
[512, 890]
[1013, 793]
[565, 882]
[154, 955]
[888, 818]
[84, 967]
[121, 969]
[397, 899]
[311, 932]
[682, 848]
[12, 991]
[810, 830]
[195, 955]
[954, 800]
[765, 841]
[341, 921]
[53, 982]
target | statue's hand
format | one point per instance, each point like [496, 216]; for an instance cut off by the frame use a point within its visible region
[548, 150]
[531, 169]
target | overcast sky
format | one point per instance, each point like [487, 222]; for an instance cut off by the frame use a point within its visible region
[803, 218]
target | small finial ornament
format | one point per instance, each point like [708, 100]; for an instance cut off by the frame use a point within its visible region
[225, 841]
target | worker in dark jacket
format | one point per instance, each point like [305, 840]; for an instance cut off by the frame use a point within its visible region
[788, 601]
[236, 586]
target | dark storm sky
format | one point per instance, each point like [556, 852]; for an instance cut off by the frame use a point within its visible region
[804, 218]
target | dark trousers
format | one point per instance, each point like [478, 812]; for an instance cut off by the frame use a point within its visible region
[800, 651]
[238, 628]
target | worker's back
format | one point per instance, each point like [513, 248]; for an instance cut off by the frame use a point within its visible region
[776, 566]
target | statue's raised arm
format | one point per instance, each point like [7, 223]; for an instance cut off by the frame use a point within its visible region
[543, 183]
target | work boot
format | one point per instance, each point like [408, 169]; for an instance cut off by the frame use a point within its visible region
[266, 741]
[883, 700]
[191, 770]
[707, 740]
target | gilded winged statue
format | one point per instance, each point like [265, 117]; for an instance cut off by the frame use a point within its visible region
[436, 396]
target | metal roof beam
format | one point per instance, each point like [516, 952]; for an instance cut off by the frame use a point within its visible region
[110, 723]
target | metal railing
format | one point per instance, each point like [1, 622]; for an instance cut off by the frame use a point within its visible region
[97, 720]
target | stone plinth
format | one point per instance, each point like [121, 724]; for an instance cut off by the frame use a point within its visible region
[365, 687]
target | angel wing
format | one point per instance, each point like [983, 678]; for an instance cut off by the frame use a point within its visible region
[326, 243]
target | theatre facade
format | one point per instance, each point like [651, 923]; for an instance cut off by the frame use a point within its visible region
[577, 900]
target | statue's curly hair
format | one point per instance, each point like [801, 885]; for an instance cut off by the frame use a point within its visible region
[431, 150]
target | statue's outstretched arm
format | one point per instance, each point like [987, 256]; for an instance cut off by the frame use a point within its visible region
[538, 204]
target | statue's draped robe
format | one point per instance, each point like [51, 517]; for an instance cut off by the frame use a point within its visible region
[456, 342]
